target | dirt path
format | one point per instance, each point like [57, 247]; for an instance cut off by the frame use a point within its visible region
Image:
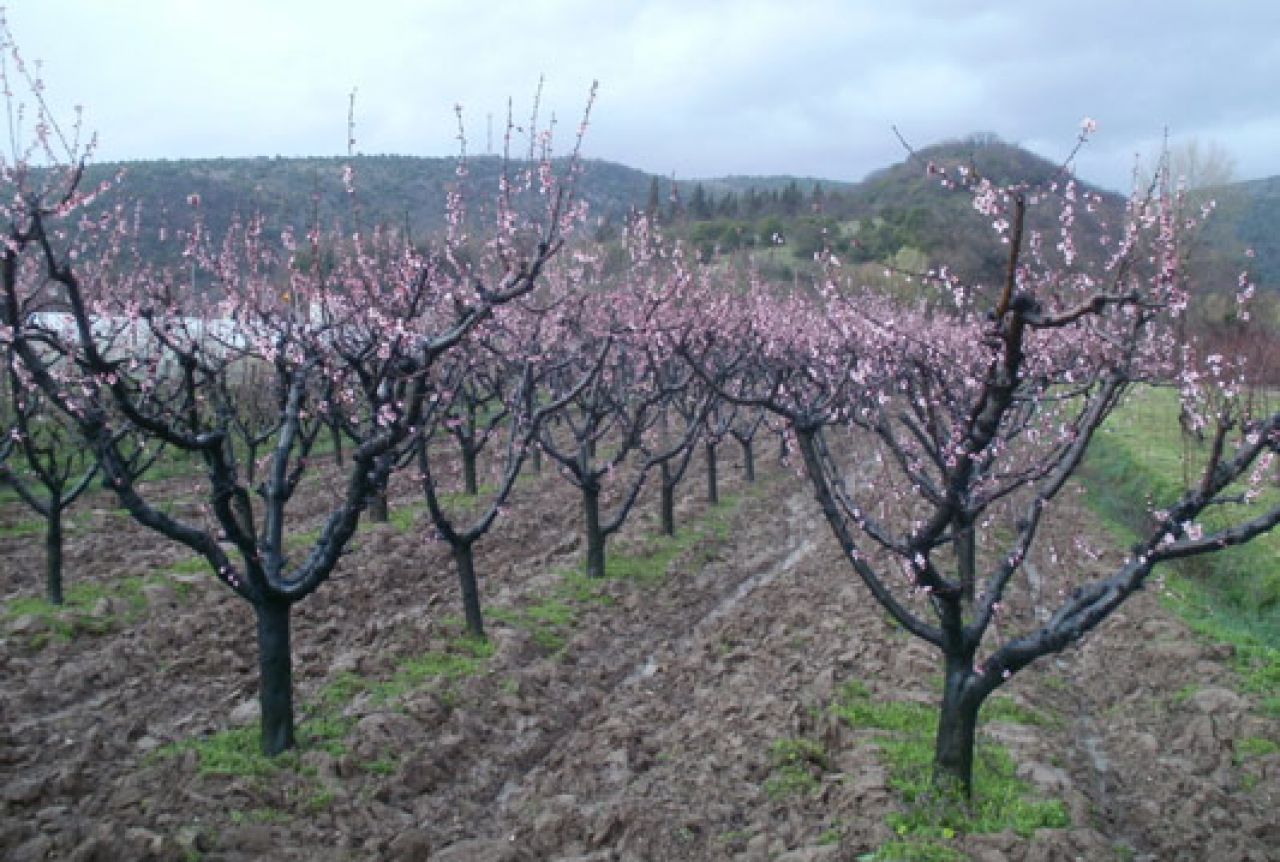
[638, 726]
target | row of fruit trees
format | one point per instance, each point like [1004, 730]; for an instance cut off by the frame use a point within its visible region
[935, 434]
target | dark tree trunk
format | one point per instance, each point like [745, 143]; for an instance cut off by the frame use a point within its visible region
[53, 554]
[465, 562]
[748, 460]
[378, 509]
[335, 434]
[250, 461]
[595, 536]
[469, 484]
[966, 559]
[275, 676]
[713, 483]
[668, 501]
[535, 460]
[957, 730]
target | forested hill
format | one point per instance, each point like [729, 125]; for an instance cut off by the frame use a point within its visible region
[1258, 227]
[894, 212]
[403, 191]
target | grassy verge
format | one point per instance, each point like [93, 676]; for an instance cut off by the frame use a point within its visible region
[1140, 459]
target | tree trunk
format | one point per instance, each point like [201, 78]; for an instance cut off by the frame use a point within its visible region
[378, 509]
[595, 537]
[53, 554]
[275, 675]
[668, 502]
[966, 559]
[748, 460]
[713, 484]
[535, 459]
[335, 434]
[957, 730]
[465, 562]
[469, 484]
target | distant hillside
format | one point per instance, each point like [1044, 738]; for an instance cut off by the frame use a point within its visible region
[896, 210]
[916, 211]
[404, 191]
[1259, 228]
[898, 214]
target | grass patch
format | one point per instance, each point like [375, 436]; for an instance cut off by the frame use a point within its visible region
[237, 752]
[1006, 710]
[914, 851]
[319, 800]
[464, 656]
[233, 752]
[76, 615]
[651, 561]
[549, 620]
[1255, 746]
[381, 766]
[1232, 596]
[341, 691]
[648, 564]
[259, 815]
[405, 517]
[23, 529]
[796, 767]
[190, 566]
[906, 734]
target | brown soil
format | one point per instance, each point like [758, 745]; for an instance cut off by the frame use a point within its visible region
[647, 736]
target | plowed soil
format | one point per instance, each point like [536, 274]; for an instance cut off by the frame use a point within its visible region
[635, 726]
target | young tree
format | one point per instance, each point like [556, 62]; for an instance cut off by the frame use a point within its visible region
[744, 427]
[608, 437]
[374, 326]
[937, 440]
[681, 418]
[50, 468]
[500, 388]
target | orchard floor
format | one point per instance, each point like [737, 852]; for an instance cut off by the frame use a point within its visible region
[629, 720]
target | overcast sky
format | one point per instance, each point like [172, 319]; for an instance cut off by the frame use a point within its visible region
[691, 88]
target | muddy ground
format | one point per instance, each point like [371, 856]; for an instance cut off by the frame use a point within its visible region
[636, 725]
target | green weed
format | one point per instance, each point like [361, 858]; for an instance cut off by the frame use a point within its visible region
[233, 752]
[1006, 710]
[259, 815]
[914, 851]
[23, 529]
[319, 800]
[1255, 746]
[76, 614]
[829, 837]
[906, 740]
[465, 656]
[381, 766]
[796, 767]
